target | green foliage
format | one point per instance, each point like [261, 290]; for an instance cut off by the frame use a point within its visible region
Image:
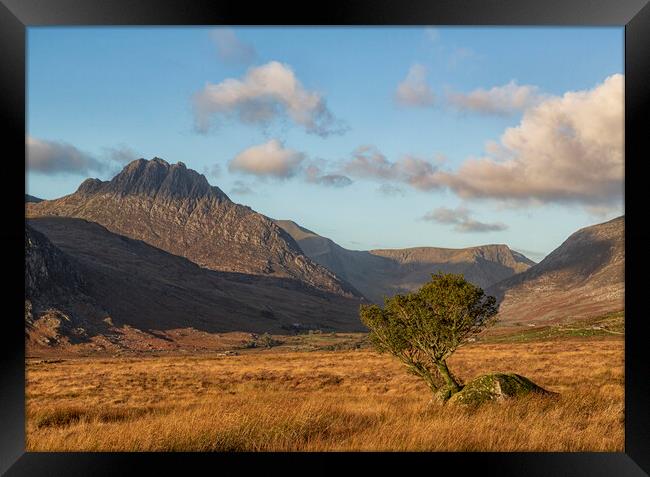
[425, 327]
[268, 341]
[264, 341]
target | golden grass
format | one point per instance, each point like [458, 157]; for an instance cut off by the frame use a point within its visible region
[279, 400]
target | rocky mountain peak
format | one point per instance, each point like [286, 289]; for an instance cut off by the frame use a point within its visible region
[90, 186]
[503, 254]
[155, 178]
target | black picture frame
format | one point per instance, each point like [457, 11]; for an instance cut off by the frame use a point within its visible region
[634, 15]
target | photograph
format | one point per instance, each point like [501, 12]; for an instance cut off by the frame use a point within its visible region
[325, 238]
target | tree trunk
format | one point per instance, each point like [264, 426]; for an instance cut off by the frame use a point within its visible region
[452, 385]
[424, 373]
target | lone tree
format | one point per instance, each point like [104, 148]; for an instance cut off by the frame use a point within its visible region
[425, 327]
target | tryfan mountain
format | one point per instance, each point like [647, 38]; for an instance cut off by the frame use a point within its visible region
[176, 210]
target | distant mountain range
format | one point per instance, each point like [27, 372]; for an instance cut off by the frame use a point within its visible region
[380, 273]
[129, 262]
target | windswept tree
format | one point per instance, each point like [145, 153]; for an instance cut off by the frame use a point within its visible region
[425, 327]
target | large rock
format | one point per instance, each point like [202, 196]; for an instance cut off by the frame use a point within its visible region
[496, 387]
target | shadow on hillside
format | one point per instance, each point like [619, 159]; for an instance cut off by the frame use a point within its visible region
[149, 289]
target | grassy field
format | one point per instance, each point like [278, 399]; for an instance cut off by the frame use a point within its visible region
[326, 392]
[610, 324]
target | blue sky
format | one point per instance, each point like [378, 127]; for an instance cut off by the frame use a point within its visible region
[105, 95]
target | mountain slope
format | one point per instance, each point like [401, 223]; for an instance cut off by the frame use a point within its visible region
[142, 287]
[583, 277]
[31, 198]
[175, 209]
[57, 308]
[377, 273]
[49, 273]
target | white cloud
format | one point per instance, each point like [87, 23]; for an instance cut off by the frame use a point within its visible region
[499, 100]
[270, 159]
[413, 90]
[54, 157]
[314, 175]
[265, 93]
[460, 218]
[58, 157]
[231, 49]
[273, 159]
[566, 149]
[368, 162]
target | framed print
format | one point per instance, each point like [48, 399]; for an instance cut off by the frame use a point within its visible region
[373, 233]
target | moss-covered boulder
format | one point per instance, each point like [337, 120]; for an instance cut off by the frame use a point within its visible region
[496, 387]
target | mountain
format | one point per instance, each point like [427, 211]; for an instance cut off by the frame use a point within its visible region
[48, 271]
[110, 285]
[57, 309]
[175, 209]
[377, 273]
[31, 198]
[583, 277]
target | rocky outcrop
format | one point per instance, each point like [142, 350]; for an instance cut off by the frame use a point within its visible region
[379, 273]
[496, 387]
[49, 273]
[176, 210]
[57, 307]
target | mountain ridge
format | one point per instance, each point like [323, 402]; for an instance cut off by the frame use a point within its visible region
[583, 277]
[381, 272]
